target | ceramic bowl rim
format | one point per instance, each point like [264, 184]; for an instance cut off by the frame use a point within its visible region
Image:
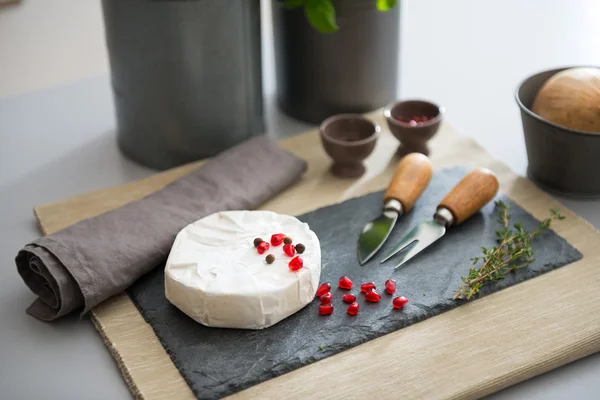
[530, 113]
[387, 112]
[338, 117]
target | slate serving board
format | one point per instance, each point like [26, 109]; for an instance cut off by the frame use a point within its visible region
[219, 362]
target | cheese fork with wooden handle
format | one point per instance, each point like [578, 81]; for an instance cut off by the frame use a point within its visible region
[473, 192]
[412, 176]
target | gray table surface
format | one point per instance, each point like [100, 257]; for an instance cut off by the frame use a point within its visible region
[60, 142]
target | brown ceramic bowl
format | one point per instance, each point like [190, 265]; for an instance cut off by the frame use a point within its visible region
[348, 139]
[413, 136]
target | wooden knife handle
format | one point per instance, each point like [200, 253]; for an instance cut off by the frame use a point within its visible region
[412, 176]
[469, 195]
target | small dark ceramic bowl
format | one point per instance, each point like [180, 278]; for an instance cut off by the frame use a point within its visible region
[413, 138]
[349, 139]
[561, 160]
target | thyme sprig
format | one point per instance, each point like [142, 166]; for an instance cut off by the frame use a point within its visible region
[514, 251]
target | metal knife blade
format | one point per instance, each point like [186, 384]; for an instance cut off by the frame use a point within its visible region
[376, 232]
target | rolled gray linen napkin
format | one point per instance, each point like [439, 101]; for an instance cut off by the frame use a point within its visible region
[84, 264]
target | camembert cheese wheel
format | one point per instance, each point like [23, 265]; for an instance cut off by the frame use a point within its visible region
[216, 276]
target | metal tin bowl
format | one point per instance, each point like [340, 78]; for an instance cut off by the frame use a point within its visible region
[561, 160]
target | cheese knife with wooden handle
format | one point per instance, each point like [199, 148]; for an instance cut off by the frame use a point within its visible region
[412, 176]
[469, 195]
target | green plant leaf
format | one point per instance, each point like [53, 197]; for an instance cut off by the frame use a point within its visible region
[385, 5]
[293, 3]
[321, 14]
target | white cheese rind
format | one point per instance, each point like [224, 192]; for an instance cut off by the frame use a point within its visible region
[215, 275]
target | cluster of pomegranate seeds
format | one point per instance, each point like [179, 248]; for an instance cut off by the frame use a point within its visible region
[277, 239]
[345, 283]
[296, 263]
[390, 286]
[369, 289]
[414, 120]
[262, 247]
[289, 250]
[324, 288]
[349, 298]
[365, 287]
[326, 298]
[353, 308]
[399, 302]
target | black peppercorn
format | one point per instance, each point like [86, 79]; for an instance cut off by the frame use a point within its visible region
[257, 241]
[287, 240]
[270, 258]
[300, 248]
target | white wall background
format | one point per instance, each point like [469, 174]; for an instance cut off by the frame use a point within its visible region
[44, 43]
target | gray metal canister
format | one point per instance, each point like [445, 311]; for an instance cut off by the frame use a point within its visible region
[352, 70]
[560, 160]
[186, 76]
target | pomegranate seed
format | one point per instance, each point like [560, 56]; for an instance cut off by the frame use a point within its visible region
[324, 288]
[326, 298]
[390, 286]
[349, 298]
[289, 249]
[399, 302]
[413, 122]
[296, 263]
[353, 308]
[345, 283]
[372, 296]
[261, 248]
[325, 309]
[277, 239]
[365, 287]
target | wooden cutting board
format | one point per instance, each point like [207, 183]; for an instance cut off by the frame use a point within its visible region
[469, 352]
